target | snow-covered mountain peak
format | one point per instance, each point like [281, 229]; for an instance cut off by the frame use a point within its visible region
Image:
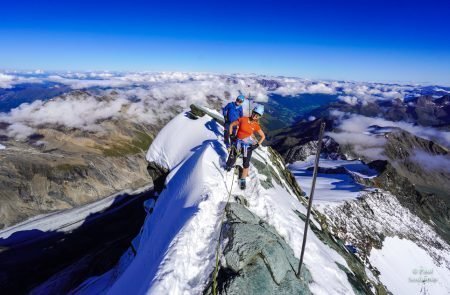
[176, 247]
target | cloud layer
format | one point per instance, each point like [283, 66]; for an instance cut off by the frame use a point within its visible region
[150, 97]
[354, 129]
[9, 80]
[349, 92]
[432, 162]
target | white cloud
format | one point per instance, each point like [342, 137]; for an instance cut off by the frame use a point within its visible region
[79, 80]
[19, 130]
[86, 83]
[82, 112]
[292, 87]
[149, 104]
[432, 162]
[369, 146]
[353, 130]
[146, 97]
[349, 99]
[364, 93]
[6, 81]
[9, 80]
[349, 92]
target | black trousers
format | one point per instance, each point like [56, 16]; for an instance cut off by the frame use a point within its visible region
[226, 135]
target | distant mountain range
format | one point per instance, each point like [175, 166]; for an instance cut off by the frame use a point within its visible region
[73, 138]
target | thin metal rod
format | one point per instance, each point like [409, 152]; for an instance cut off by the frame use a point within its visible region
[249, 106]
[311, 195]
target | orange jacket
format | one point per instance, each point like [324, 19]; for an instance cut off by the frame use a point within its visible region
[247, 127]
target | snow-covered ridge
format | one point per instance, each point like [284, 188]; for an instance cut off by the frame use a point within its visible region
[175, 250]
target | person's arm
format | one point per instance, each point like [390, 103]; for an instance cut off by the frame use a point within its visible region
[232, 125]
[262, 136]
[241, 112]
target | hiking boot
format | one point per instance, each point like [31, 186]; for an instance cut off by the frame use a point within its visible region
[242, 183]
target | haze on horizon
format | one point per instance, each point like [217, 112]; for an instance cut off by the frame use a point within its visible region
[406, 41]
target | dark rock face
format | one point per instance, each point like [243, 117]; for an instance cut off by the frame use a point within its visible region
[257, 258]
[425, 206]
[430, 111]
[158, 175]
[197, 111]
[424, 110]
[402, 147]
[356, 275]
[423, 190]
[270, 85]
[300, 141]
[378, 165]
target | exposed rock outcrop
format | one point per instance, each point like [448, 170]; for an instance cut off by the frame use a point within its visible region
[257, 258]
[298, 142]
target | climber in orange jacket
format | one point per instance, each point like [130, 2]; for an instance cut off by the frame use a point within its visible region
[244, 141]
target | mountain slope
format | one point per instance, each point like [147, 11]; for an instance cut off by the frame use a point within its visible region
[175, 250]
[395, 230]
[60, 167]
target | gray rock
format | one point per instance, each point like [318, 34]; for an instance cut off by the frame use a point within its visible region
[257, 259]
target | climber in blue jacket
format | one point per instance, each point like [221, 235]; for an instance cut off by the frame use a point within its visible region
[231, 113]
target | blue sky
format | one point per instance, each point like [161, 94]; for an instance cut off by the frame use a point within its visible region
[356, 40]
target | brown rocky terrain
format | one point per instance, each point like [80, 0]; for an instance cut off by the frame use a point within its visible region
[59, 168]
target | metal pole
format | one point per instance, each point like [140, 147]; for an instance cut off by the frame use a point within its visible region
[249, 107]
[311, 195]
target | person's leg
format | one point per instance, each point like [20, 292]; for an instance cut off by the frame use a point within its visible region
[246, 163]
[231, 159]
[226, 137]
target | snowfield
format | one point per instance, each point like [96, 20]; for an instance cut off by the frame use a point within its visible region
[413, 258]
[408, 269]
[332, 189]
[176, 247]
